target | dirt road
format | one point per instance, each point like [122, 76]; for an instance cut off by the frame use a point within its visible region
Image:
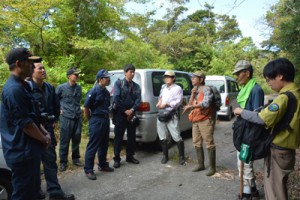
[152, 180]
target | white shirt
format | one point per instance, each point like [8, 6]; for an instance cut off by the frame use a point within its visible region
[171, 95]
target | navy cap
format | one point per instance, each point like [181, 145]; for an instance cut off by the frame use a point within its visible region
[73, 70]
[20, 54]
[103, 73]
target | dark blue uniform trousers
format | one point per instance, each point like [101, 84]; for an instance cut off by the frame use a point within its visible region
[98, 142]
[50, 167]
[121, 124]
[26, 179]
[70, 129]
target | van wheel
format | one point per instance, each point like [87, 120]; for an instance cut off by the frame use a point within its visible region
[5, 188]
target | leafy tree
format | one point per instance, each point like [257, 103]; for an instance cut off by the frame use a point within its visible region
[284, 20]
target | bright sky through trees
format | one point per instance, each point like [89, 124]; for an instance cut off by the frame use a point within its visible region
[249, 13]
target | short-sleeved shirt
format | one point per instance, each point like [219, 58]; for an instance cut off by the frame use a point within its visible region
[70, 97]
[98, 101]
[275, 112]
[127, 95]
[171, 95]
[17, 111]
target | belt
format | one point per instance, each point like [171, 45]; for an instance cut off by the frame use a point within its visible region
[280, 148]
[101, 115]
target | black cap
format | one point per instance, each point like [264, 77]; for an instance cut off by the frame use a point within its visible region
[73, 70]
[20, 54]
[129, 67]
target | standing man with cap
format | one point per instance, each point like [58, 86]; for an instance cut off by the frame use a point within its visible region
[48, 104]
[96, 110]
[203, 118]
[249, 98]
[126, 100]
[23, 137]
[170, 98]
[70, 94]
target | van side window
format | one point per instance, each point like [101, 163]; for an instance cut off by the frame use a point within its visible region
[229, 86]
[157, 82]
[184, 81]
[234, 87]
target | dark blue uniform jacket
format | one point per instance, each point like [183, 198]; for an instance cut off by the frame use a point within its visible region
[98, 101]
[17, 111]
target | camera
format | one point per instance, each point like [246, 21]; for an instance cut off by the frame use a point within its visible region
[135, 121]
[46, 118]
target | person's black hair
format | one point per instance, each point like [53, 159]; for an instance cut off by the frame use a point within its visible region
[250, 69]
[12, 67]
[280, 66]
[129, 67]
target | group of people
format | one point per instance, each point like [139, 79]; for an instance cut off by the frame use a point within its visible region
[31, 107]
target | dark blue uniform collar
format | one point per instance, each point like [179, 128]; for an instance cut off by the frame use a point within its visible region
[24, 83]
[35, 86]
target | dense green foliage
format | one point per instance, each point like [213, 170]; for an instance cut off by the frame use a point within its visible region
[99, 34]
[284, 19]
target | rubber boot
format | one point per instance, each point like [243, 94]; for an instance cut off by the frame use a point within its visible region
[200, 157]
[164, 146]
[212, 162]
[180, 146]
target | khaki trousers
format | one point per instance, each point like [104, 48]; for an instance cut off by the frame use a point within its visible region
[203, 130]
[282, 163]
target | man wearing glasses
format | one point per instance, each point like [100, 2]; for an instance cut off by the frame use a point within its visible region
[70, 94]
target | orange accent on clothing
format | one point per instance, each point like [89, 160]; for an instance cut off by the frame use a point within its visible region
[199, 114]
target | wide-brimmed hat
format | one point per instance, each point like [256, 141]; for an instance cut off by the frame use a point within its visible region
[169, 73]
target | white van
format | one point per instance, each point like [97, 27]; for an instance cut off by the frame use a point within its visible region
[150, 81]
[229, 90]
[5, 178]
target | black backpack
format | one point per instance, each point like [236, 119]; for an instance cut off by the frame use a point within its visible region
[256, 136]
[217, 101]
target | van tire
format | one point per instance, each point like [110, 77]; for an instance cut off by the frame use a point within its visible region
[5, 186]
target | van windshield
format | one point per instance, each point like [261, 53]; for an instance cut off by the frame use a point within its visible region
[219, 84]
[120, 75]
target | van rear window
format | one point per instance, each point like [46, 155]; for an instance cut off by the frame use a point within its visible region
[120, 75]
[219, 84]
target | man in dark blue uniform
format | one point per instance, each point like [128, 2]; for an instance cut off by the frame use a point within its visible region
[23, 138]
[48, 104]
[70, 94]
[96, 109]
[126, 100]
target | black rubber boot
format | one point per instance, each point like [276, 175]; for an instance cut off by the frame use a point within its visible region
[164, 146]
[180, 146]
[200, 157]
[212, 162]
